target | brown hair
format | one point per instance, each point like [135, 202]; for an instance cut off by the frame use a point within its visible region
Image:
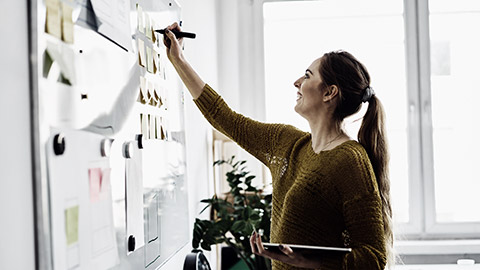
[342, 69]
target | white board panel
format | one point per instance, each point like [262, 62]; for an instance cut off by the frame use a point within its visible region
[90, 90]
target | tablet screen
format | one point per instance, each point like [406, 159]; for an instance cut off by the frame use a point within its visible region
[304, 249]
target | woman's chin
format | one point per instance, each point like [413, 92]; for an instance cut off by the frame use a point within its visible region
[297, 109]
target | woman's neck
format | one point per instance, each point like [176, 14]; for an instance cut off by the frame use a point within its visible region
[326, 134]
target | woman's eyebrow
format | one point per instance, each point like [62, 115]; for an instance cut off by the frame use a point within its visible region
[308, 70]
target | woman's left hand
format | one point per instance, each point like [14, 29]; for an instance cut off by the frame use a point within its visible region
[287, 255]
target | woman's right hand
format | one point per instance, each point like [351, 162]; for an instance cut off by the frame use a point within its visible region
[175, 54]
[174, 45]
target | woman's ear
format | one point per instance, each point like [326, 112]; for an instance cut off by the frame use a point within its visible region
[330, 93]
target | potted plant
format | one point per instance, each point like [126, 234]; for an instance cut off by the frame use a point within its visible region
[235, 216]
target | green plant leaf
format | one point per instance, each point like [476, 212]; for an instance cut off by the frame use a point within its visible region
[206, 246]
[255, 216]
[236, 217]
[207, 200]
[209, 239]
[223, 225]
[236, 164]
[238, 225]
[205, 208]
[218, 162]
[248, 228]
[247, 212]
[238, 199]
[197, 233]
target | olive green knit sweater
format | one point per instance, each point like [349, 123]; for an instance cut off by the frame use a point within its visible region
[325, 199]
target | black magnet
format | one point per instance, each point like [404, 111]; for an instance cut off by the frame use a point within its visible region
[105, 147]
[127, 150]
[59, 144]
[131, 243]
[139, 138]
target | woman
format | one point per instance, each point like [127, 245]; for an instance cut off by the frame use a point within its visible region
[328, 190]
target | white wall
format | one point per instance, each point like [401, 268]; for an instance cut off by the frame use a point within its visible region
[16, 195]
[198, 17]
[240, 65]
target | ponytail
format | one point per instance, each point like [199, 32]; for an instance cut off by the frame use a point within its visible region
[372, 136]
[342, 69]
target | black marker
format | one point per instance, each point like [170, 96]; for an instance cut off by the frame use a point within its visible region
[178, 34]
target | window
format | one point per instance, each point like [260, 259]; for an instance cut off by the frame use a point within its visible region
[454, 52]
[433, 149]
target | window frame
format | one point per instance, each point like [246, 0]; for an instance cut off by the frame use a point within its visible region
[422, 223]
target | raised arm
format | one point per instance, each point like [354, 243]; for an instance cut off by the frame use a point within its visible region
[255, 137]
[190, 78]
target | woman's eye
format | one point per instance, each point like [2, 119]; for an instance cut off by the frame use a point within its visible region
[306, 76]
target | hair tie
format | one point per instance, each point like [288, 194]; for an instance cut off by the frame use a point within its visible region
[368, 94]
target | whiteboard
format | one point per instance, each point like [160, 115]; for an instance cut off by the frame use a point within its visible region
[111, 135]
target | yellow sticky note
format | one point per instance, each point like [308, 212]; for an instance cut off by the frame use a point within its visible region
[153, 26]
[143, 89]
[145, 126]
[67, 23]
[149, 60]
[53, 23]
[141, 52]
[162, 131]
[151, 96]
[140, 24]
[156, 96]
[157, 128]
[148, 26]
[152, 126]
[154, 62]
[71, 224]
[140, 98]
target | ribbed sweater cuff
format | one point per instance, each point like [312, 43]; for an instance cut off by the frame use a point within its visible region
[206, 99]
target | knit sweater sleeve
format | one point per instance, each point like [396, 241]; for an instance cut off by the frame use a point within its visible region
[362, 211]
[257, 138]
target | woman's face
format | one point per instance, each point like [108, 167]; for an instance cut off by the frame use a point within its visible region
[309, 94]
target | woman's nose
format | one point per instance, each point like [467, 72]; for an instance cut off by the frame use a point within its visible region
[298, 82]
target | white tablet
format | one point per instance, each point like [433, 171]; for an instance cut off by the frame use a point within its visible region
[307, 249]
